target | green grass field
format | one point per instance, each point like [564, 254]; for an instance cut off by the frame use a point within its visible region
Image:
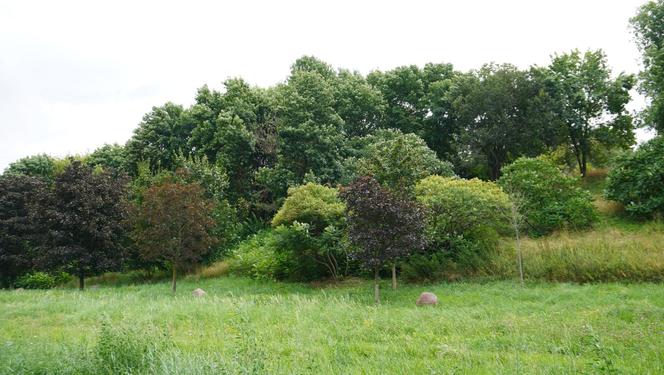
[244, 326]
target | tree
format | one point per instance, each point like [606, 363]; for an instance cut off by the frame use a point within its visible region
[417, 101]
[108, 156]
[42, 166]
[497, 112]
[360, 105]
[383, 226]
[648, 26]
[398, 160]
[82, 220]
[310, 131]
[163, 133]
[172, 224]
[637, 180]
[591, 105]
[549, 199]
[17, 229]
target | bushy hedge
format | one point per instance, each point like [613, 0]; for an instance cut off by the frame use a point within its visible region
[42, 280]
[637, 180]
[463, 219]
[547, 198]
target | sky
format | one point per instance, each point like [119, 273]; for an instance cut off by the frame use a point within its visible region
[77, 74]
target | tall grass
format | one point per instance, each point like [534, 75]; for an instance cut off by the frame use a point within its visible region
[244, 327]
[607, 253]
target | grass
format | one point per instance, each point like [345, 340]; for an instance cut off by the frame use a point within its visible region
[245, 326]
[606, 253]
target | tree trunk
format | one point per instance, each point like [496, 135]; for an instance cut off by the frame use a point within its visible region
[519, 255]
[394, 275]
[174, 282]
[376, 286]
[81, 279]
[584, 163]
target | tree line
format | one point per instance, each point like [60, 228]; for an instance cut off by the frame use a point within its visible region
[222, 168]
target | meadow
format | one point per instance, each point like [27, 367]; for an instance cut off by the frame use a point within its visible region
[245, 326]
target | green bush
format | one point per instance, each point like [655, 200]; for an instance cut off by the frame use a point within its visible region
[463, 216]
[313, 204]
[42, 280]
[637, 180]
[257, 257]
[548, 199]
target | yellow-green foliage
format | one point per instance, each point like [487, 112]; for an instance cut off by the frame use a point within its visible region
[606, 254]
[458, 206]
[215, 269]
[314, 204]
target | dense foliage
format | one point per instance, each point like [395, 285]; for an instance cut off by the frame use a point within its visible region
[637, 180]
[383, 226]
[463, 217]
[398, 160]
[648, 25]
[172, 225]
[82, 222]
[549, 199]
[17, 227]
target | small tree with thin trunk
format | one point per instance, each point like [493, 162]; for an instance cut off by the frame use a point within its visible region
[383, 226]
[172, 225]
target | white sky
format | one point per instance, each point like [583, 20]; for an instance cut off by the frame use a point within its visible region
[77, 74]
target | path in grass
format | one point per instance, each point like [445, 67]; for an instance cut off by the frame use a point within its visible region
[244, 326]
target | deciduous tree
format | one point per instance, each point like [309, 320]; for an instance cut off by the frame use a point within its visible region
[383, 226]
[82, 219]
[172, 225]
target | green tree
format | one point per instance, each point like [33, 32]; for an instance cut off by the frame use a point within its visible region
[637, 180]
[549, 199]
[163, 133]
[398, 160]
[41, 165]
[591, 104]
[497, 111]
[310, 131]
[648, 26]
[417, 101]
[109, 157]
[82, 222]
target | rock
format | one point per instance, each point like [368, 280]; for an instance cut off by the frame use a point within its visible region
[19, 289]
[427, 298]
[199, 293]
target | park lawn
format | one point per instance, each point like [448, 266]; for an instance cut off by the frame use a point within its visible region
[246, 326]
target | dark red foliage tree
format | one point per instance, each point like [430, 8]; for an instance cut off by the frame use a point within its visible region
[17, 192]
[383, 226]
[172, 225]
[82, 220]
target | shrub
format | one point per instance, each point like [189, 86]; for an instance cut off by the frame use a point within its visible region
[313, 204]
[463, 216]
[257, 257]
[550, 199]
[637, 180]
[36, 280]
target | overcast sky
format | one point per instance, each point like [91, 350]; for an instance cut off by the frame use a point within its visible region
[77, 74]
